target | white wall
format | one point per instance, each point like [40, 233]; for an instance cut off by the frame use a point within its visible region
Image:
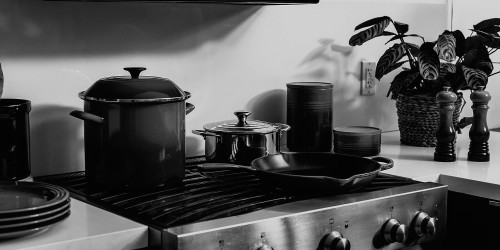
[229, 57]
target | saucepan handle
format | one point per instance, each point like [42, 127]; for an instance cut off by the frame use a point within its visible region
[87, 116]
[203, 133]
[223, 166]
[386, 163]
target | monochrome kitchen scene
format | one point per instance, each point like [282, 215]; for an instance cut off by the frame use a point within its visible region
[249, 124]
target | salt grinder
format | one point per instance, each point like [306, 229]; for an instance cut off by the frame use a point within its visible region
[445, 134]
[479, 133]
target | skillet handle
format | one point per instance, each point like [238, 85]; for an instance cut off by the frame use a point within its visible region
[222, 166]
[386, 163]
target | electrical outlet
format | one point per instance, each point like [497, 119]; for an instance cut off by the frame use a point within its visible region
[368, 78]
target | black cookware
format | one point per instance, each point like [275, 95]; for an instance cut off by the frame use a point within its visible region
[134, 130]
[323, 172]
[14, 139]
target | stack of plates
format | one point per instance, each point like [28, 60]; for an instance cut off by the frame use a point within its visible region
[30, 207]
[357, 140]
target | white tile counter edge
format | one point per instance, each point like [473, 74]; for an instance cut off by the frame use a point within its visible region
[475, 178]
[87, 227]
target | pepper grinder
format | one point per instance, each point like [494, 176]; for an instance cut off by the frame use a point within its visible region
[479, 133]
[445, 134]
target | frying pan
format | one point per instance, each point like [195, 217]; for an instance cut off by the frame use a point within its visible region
[312, 171]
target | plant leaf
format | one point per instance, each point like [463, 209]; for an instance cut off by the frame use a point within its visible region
[374, 31]
[478, 58]
[488, 25]
[402, 36]
[387, 61]
[1, 81]
[414, 49]
[402, 82]
[428, 62]
[388, 33]
[474, 42]
[475, 77]
[401, 28]
[460, 42]
[490, 40]
[447, 68]
[446, 44]
[373, 21]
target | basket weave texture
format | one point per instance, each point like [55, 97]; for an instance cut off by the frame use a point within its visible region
[418, 118]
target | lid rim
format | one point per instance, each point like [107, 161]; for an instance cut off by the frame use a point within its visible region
[112, 100]
[373, 130]
[312, 84]
[214, 128]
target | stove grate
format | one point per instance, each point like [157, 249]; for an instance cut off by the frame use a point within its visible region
[203, 196]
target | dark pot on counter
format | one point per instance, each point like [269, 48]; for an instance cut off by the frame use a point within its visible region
[241, 141]
[134, 130]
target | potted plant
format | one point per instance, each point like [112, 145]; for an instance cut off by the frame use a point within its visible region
[452, 60]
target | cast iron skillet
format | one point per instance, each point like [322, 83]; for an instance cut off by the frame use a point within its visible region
[312, 171]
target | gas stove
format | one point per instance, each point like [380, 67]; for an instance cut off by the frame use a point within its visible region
[234, 210]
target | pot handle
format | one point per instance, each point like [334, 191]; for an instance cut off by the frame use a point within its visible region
[203, 133]
[386, 163]
[189, 107]
[223, 166]
[87, 116]
[283, 127]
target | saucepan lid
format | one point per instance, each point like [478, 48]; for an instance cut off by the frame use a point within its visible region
[243, 125]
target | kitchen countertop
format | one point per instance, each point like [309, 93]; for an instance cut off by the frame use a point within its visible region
[481, 179]
[87, 227]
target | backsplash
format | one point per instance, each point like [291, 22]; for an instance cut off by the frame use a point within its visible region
[230, 57]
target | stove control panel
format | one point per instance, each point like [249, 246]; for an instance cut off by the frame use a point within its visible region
[399, 218]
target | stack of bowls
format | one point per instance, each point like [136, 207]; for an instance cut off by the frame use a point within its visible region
[357, 140]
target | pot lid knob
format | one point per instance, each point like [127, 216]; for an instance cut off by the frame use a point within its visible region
[134, 71]
[242, 117]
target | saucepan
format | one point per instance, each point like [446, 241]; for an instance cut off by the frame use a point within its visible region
[324, 172]
[241, 141]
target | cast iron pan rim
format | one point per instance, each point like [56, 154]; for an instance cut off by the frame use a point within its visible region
[319, 177]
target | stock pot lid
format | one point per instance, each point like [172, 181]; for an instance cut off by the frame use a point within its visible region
[241, 125]
[134, 88]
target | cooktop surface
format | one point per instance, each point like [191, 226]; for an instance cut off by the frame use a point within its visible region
[201, 197]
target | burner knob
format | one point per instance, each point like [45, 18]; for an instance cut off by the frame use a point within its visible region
[393, 231]
[423, 224]
[335, 241]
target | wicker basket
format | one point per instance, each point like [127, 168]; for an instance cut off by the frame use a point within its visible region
[418, 118]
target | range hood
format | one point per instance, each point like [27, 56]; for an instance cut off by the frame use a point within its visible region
[249, 2]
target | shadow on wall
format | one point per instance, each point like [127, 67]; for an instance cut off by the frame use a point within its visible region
[41, 28]
[56, 144]
[340, 65]
[269, 106]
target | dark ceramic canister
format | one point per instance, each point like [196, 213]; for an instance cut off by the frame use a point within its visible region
[14, 139]
[310, 116]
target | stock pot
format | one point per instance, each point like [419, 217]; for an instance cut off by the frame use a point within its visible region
[242, 140]
[134, 130]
